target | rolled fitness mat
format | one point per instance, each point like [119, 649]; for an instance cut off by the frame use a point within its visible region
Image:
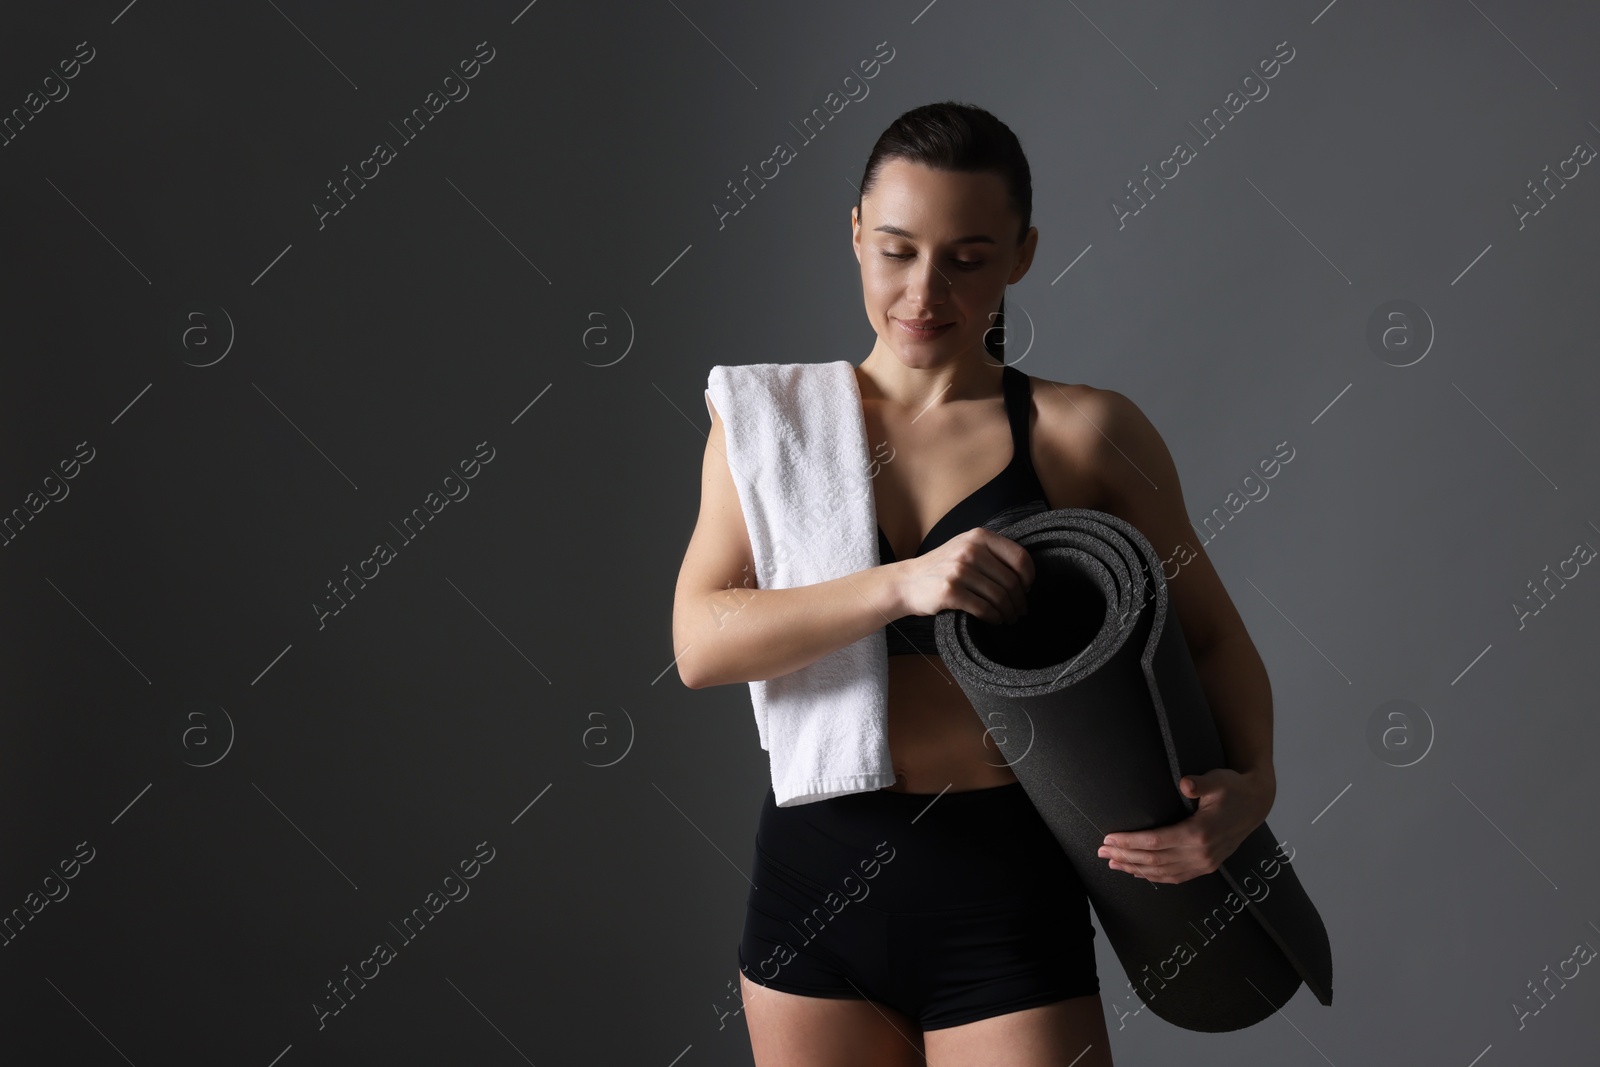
[1094, 701]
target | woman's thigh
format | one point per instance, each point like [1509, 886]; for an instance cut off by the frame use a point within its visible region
[789, 1030]
[1066, 1032]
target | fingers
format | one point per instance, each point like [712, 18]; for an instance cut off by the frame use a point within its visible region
[1019, 573]
[1012, 555]
[987, 575]
[1149, 866]
[1168, 857]
[992, 590]
[1137, 857]
[984, 598]
[999, 572]
[1019, 559]
[999, 586]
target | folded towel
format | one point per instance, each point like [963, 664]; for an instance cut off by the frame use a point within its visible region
[797, 449]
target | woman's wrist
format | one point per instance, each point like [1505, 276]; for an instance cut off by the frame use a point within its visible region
[891, 600]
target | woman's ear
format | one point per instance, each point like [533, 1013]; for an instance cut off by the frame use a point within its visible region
[1030, 243]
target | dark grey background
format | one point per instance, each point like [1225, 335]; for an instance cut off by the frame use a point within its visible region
[543, 269]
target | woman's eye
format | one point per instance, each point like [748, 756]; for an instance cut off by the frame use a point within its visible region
[964, 264]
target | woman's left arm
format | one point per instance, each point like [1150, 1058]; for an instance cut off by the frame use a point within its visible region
[1139, 482]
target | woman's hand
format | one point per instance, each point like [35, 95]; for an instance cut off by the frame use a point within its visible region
[979, 572]
[1232, 805]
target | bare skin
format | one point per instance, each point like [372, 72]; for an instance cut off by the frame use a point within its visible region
[938, 405]
[794, 1031]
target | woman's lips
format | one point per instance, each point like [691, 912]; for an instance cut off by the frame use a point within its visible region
[921, 334]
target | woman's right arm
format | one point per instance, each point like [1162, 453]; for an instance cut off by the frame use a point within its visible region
[725, 629]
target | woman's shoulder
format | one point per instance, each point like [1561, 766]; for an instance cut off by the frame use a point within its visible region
[1074, 437]
[1072, 407]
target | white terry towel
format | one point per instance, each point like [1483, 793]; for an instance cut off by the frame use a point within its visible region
[797, 449]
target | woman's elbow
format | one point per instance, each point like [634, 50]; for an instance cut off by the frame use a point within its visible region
[687, 674]
[695, 673]
[690, 651]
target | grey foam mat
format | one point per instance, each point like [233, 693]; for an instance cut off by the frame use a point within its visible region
[1102, 713]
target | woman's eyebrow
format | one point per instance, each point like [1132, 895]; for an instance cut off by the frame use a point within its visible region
[972, 239]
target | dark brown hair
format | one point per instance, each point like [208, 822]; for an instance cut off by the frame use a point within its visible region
[958, 137]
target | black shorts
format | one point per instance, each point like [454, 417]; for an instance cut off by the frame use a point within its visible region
[949, 908]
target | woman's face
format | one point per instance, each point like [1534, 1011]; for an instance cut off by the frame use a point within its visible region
[937, 247]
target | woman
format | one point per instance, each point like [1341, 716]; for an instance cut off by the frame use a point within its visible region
[970, 939]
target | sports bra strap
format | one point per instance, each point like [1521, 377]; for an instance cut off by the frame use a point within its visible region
[1018, 391]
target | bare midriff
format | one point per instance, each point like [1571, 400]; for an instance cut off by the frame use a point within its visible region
[936, 739]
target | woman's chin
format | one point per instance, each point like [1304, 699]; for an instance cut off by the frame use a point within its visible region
[938, 354]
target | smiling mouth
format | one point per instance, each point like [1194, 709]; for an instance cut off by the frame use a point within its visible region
[928, 329]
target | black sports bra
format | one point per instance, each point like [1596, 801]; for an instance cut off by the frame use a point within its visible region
[1011, 495]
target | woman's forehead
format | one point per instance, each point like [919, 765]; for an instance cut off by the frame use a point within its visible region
[931, 204]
